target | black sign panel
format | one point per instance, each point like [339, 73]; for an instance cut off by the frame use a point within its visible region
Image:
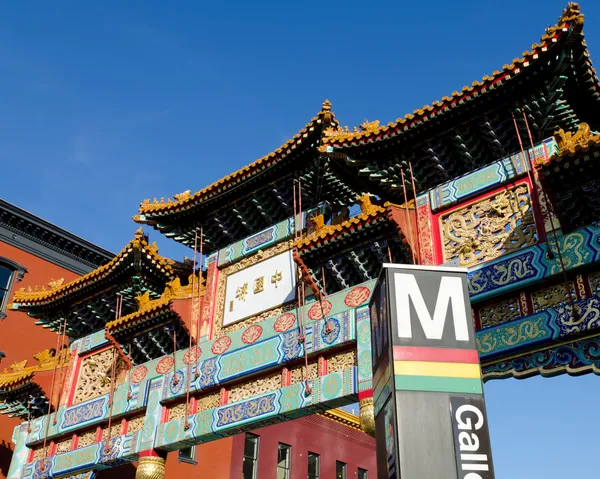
[380, 329]
[471, 438]
[387, 442]
[430, 307]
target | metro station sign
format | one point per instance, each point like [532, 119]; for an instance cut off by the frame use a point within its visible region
[427, 388]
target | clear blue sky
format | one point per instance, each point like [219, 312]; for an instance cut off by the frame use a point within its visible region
[103, 106]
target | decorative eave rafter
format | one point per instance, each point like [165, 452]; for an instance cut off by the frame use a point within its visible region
[571, 21]
[371, 214]
[86, 286]
[151, 213]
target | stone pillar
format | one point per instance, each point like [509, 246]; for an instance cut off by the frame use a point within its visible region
[150, 467]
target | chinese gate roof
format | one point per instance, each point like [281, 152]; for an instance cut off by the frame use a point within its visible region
[554, 84]
[149, 330]
[350, 251]
[89, 301]
[258, 195]
[20, 395]
[573, 177]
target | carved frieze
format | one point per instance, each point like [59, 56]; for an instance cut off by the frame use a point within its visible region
[63, 445]
[488, 228]
[297, 373]
[208, 401]
[87, 438]
[255, 387]
[341, 361]
[499, 313]
[553, 296]
[135, 423]
[95, 375]
[177, 411]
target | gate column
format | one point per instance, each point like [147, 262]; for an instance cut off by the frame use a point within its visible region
[151, 465]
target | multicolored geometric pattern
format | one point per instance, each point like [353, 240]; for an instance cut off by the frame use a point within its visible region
[437, 370]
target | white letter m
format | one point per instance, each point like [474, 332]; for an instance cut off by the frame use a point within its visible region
[451, 291]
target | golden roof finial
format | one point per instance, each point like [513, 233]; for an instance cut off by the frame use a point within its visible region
[20, 366]
[139, 233]
[143, 300]
[56, 283]
[183, 196]
[569, 142]
[326, 106]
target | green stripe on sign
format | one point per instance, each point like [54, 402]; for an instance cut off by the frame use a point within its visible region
[438, 384]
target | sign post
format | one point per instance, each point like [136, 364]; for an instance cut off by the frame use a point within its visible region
[430, 413]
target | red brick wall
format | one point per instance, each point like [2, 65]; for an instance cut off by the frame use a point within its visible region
[21, 338]
[332, 440]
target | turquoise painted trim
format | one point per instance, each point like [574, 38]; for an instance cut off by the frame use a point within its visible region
[329, 391]
[519, 269]
[263, 239]
[533, 331]
[488, 177]
[214, 370]
[93, 341]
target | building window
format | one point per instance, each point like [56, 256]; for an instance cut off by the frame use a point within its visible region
[340, 470]
[188, 455]
[363, 474]
[314, 465]
[249, 469]
[8, 268]
[283, 461]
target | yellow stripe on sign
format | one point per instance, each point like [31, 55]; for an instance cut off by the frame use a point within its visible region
[448, 370]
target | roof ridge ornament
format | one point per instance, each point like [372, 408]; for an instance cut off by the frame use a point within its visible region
[568, 143]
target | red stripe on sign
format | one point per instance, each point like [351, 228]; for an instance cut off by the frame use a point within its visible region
[444, 355]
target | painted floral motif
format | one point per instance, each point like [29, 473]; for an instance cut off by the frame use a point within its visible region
[176, 383]
[357, 296]
[330, 335]
[221, 345]
[164, 365]
[292, 348]
[252, 334]
[318, 310]
[208, 370]
[192, 355]
[139, 374]
[284, 322]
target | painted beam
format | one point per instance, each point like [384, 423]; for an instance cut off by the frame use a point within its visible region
[328, 392]
[488, 177]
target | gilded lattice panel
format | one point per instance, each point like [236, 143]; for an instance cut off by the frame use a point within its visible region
[489, 228]
[135, 424]
[254, 387]
[341, 361]
[594, 280]
[297, 373]
[553, 296]
[64, 445]
[210, 401]
[499, 313]
[95, 375]
[219, 329]
[87, 438]
[177, 411]
[115, 430]
[38, 453]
